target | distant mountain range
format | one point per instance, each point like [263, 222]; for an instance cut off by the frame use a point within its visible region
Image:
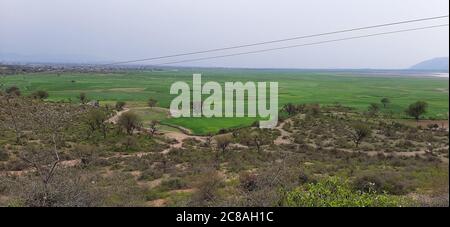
[435, 64]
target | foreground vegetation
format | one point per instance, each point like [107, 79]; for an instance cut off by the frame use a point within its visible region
[65, 154]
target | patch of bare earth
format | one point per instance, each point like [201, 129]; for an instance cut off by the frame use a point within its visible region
[115, 118]
[441, 200]
[150, 184]
[180, 137]
[284, 137]
[156, 203]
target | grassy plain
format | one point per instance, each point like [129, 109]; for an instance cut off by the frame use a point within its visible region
[294, 86]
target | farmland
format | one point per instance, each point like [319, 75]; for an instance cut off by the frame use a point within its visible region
[326, 88]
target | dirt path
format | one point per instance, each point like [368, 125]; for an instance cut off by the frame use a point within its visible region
[115, 118]
[284, 137]
[179, 137]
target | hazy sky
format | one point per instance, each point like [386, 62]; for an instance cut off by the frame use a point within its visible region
[112, 30]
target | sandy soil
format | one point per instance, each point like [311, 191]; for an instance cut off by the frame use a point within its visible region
[115, 118]
[179, 137]
[281, 140]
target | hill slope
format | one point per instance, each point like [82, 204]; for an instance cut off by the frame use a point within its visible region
[438, 64]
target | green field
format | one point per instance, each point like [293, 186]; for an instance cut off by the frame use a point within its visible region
[294, 86]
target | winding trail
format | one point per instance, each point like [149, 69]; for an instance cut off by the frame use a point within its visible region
[284, 137]
[178, 136]
[114, 119]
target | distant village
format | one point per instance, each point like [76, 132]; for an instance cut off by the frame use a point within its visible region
[15, 69]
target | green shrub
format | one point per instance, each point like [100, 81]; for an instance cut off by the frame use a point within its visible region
[155, 194]
[13, 90]
[151, 174]
[386, 182]
[39, 95]
[120, 105]
[334, 192]
[174, 184]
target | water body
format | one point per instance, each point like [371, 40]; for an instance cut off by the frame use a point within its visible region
[443, 75]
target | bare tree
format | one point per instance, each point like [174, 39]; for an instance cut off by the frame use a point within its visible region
[153, 127]
[68, 188]
[258, 139]
[12, 113]
[44, 162]
[47, 121]
[358, 133]
[222, 142]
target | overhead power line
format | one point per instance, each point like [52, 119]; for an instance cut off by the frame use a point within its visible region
[277, 41]
[303, 45]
